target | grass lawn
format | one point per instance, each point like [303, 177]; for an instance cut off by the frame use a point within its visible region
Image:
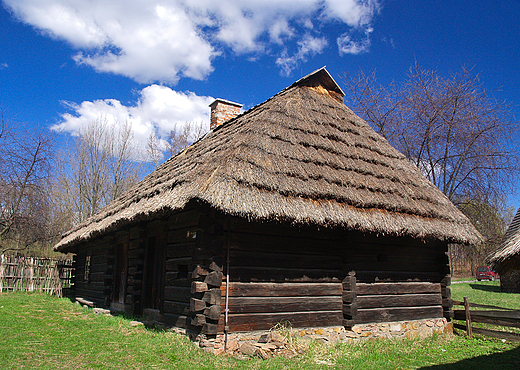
[488, 293]
[39, 331]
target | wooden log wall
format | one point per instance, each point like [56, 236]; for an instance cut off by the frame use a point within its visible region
[93, 287]
[394, 259]
[279, 253]
[382, 302]
[260, 306]
[136, 239]
[193, 271]
[282, 274]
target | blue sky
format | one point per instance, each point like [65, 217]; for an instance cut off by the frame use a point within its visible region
[156, 63]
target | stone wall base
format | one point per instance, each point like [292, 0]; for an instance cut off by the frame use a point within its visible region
[285, 341]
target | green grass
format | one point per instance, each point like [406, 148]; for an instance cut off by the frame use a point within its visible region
[487, 293]
[39, 331]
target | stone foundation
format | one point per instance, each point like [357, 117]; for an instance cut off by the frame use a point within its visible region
[285, 341]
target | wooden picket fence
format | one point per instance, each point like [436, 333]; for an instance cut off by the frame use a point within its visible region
[35, 274]
[493, 315]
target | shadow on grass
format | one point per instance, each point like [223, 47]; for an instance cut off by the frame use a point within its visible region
[486, 288]
[503, 361]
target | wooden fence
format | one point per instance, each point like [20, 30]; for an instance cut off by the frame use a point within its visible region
[35, 274]
[493, 315]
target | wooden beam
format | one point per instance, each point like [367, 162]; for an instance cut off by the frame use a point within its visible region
[178, 294]
[197, 305]
[179, 308]
[398, 300]
[283, 289]
[265, 321]
[369, 315]
[283, 304]
[397, 288]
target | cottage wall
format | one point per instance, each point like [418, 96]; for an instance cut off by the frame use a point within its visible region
[510, 275]
[93, 271]
[175, 272]
[304, 276]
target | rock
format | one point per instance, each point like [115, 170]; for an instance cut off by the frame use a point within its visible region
[356, 329]
[232, 345]
[424, 332]
[429, 323]
[411, 335]
[395, 327]
[262, 353]
[136, 323]
[101, 311]
[440, 323]
[265, 346]
[247, 349]
[275, 336]
[263, 338]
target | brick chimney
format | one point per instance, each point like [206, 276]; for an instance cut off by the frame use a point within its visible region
[222, 111]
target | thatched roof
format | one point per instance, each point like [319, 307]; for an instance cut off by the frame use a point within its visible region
[511, 243]
[303, 157]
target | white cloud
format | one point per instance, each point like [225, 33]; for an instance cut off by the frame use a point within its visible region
[164, 40]
[159, 109]
[356, 43]
[4, 65]
[309, 45]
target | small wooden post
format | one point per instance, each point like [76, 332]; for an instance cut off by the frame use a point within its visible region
[468, 318]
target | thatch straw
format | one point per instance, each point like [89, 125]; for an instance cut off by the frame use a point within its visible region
[510, 246]
[302, 156]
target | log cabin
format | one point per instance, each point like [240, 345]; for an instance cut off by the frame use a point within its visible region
[506, 259]
[295, 211]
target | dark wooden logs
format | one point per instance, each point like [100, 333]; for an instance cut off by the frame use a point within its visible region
[179, 294]
[397, 288]
[283, 289]
[212, 296]
[369, 315]
[284, 304]
[214, 278]
[381, 302]
[197, 305]
[260, 321]
[398, 300]
[198, 287]
[212, 312]
[198, 320]
[179, 308]
[260, 306]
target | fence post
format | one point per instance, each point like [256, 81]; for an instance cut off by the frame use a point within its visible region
[469, 331]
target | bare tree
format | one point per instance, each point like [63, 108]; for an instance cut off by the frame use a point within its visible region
[24, 165]
[178, 139]
[457, 134]
[153, 149]
[101, 164]
[184, 136]
[452, 129]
